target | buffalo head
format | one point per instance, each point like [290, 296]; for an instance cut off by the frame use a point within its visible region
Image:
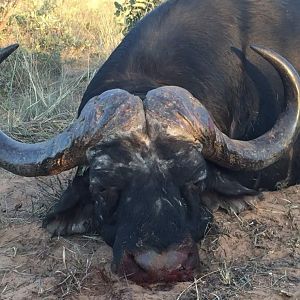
[149, 163]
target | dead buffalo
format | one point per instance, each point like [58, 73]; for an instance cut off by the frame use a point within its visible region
[181, 117]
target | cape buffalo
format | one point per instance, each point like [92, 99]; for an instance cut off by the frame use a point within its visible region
[182, 112]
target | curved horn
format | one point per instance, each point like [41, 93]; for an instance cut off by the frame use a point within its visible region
[114, 113]
[186, 118]
[5, 52]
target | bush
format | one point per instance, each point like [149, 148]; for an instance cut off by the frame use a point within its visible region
[128, 12]
[70, 28]
[46, 32]
[6, 9]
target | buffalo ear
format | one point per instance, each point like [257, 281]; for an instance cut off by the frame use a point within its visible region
[225, 184]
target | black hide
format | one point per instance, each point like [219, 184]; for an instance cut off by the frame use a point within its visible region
[139, 199]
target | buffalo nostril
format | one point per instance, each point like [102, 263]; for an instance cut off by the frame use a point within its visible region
[176, 264]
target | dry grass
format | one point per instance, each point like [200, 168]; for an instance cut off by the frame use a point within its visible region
[32, 107]
[41, 89]
[243, 278]
[73, 28]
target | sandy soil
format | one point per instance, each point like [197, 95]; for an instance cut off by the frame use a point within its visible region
[255, 255]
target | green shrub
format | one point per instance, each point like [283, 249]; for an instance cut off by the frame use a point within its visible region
[128, 12]
[45, 31]
[6, 9]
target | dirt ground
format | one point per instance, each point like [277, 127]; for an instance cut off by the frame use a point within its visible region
[255, 255]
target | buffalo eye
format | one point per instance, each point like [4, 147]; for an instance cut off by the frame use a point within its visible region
[106, 200]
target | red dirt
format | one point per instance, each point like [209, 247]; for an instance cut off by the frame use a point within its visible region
[255, 255]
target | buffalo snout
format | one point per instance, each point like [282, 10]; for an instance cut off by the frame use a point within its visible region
[177, 263]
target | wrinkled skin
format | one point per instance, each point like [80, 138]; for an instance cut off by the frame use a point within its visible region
[149, 194]
[142, 193]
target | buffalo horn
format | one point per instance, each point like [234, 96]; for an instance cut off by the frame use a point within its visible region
[5, 52]
[186, 118]
[115, 113]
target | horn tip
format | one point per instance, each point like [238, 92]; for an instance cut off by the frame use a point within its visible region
[12, 48]
[258, 49]
[7, 51]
